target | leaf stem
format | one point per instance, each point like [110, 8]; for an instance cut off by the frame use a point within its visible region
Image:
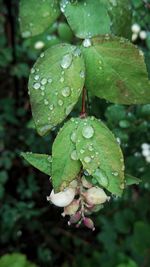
[83, 111]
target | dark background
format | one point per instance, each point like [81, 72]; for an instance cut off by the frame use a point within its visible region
[28, 224]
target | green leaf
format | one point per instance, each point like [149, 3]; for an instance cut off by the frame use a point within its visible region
[64, 32]
[121, 17]
[65, 164]
[141, 233]
[130, 180]
[15, 260]
[100, 154]
[37, 16]
[55, 84]
[41, 162]
[90, 18]
[113, 68]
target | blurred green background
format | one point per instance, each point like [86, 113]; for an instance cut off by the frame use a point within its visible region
[30, 229]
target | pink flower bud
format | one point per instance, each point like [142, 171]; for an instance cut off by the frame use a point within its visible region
[75, 218]
[89, 223]
[96, 195]
[72, 208]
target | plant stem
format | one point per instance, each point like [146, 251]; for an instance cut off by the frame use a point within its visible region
[83, 111]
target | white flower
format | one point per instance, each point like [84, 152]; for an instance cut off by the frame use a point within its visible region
[39, 45]
[143, 35]
[145, 146]
[96, 195]
[63, 198]
[134, 37]
[135, 28]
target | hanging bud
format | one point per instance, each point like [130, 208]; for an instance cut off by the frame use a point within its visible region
[88, 223]
[72, 208]
[85, 183]
[62, 199]
[96, 195]
[75, 218]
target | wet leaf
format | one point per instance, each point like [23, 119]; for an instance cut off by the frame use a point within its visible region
[90, 18]
[37, 16]
[41, 162]
[100, 154]
[113, 68]
[55, 84]
[65, 164]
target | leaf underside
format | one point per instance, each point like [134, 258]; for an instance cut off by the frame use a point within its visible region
[41, 162]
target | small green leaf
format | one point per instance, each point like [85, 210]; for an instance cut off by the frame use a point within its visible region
[113, 68]
[41, 162]
[100, 154]
[37, 16]
[55, 84]
[130, 180]
[90, 18]
[65, 164]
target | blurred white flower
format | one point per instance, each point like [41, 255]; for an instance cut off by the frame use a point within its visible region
[143, 35]
[39, 45]
[135, 28]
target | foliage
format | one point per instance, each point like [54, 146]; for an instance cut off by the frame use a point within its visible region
[15, 260]
[28, 224]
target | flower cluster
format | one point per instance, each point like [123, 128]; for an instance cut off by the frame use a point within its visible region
[137, 32]
[79, 200]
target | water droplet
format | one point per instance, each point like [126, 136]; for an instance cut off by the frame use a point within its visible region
[49, 159]
[90, 148]
[42, 55]
[49, 80]
[66, 91]
[66, 61]
[122, 186]
[74, 155]
[42, 88]
[87, 43]
[115, 173]
[101, 177]
[42, 93]
[46, 102]
[82, 74]
[77, 52]
[82, 151]
[60, 102]
[69, 108]
[62, 79]
[43, 81]
[36, 86]
[32, 70]
[88, 131]
[87, 159]
[51, 107]
[36, 77]
[74, 137]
